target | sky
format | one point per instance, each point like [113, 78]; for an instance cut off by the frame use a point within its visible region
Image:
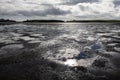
[60, 9]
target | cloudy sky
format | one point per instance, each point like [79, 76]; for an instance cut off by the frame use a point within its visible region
[60, 9]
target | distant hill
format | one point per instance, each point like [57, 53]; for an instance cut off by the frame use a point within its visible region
[43, 21]
[7, 20]
[94, 21]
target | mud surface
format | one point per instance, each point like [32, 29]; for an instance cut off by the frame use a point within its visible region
[60, 52]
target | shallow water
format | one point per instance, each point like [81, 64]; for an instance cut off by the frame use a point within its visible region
[66, 44]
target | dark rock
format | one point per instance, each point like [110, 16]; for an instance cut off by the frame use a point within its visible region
[2, 44]
[106, 55]
[109, 48]
[26, 34]
[64, 59]
[79, 68]
[100, 63]
[118, 33]
[32, 44]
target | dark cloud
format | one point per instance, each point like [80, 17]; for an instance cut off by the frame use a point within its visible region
[117, 2]
[7, 13]
[97, 16]
[55, 11]
[73, 2]
[48, 9]
[46, 12]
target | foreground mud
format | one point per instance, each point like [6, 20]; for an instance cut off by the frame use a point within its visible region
[60, 52]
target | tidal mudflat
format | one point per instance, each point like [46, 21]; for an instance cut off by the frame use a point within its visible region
[63, 51]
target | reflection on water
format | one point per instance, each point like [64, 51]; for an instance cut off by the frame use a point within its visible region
[87, 45]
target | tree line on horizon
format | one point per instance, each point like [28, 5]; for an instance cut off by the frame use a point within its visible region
[8, 20]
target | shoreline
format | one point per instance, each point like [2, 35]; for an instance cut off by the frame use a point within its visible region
[9, 23]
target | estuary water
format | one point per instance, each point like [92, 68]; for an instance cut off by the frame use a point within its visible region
[94, 47]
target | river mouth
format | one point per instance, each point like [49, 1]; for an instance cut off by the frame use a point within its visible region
[92, 48]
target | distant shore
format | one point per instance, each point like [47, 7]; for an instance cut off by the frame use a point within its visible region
[7, 21]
